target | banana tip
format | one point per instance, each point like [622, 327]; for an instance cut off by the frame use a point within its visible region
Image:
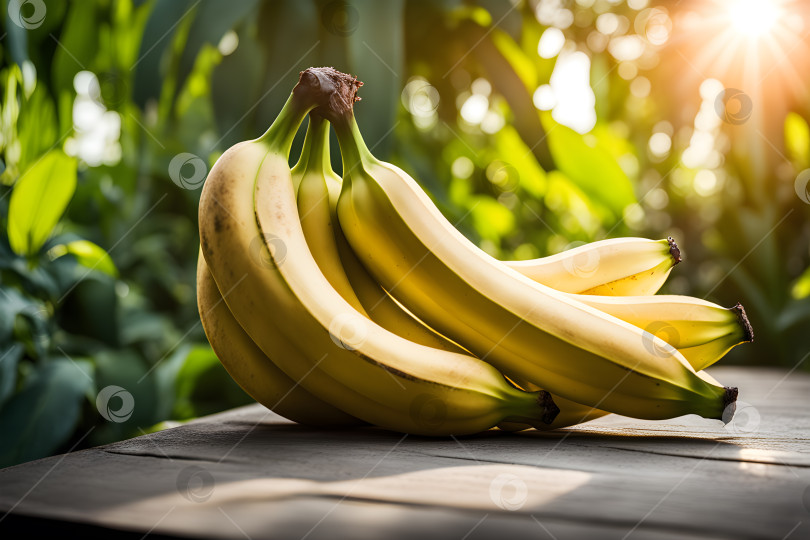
[674, 250]
[551, 408]
[730, 395]
[748, 331]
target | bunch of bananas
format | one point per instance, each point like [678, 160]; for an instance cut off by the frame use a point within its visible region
[340, 302]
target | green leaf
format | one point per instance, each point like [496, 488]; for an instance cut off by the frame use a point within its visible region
[797, 139]
[25, 321]
[188, 378]
[523, 65]
[87, 254]
[40, 418]
[12, 304]
[801, 289]
[204, 387]
[38, 200]
[492, 219]
[165, 377]
[511, 149]
[37, 126]
[591, 168]
[37, 280]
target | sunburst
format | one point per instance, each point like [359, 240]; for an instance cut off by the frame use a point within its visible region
[744, 41]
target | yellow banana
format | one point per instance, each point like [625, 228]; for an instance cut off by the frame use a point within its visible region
[252, 369]
[519, 326]
[250, 230]
[309, 174]
[319, 187]
[702, 331]
[615, 267]
[574, 270]
[318, 191]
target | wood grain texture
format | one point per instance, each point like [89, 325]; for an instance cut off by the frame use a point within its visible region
[250, 473]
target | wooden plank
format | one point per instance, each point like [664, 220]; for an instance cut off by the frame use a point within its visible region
[250, 473]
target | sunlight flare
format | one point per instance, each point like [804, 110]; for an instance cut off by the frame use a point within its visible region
[754, 18]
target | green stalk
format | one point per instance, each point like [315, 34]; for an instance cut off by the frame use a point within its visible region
[315, 156]
[352, 146]
[279, 136]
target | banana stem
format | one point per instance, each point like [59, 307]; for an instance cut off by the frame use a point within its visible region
[352, 146]
[324, 87]
[315, 156]
[279, 136]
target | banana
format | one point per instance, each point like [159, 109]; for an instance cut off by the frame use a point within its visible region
[573, 270]
[525, 329]
[619, 266]
[319, 188]
[250, 230]
[702, 331]
[251, 369]
[310, 175]
[318, 192]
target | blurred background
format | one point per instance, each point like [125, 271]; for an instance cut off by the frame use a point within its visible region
[536, 125]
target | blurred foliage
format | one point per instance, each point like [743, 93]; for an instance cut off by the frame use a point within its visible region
[99, 239]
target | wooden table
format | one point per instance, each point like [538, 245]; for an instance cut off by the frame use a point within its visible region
[248, 473]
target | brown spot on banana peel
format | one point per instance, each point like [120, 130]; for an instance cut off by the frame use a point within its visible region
[219, 223]
[748, 331]
[674, 251]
